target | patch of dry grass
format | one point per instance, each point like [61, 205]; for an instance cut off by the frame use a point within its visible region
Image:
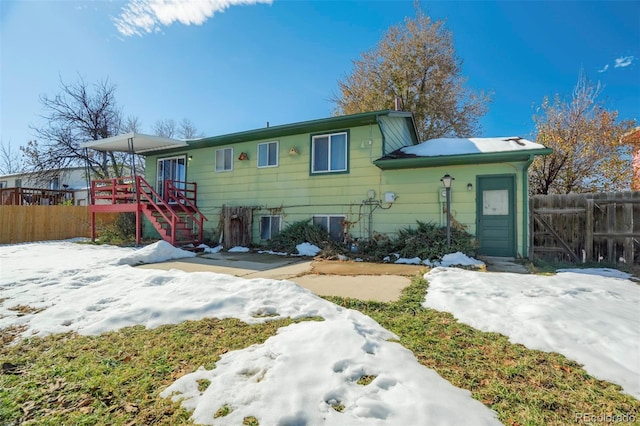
[114, 378]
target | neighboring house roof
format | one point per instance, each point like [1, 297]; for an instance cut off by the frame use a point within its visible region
[397, 127]
[52, 171]
[134, 142]
[455, 151]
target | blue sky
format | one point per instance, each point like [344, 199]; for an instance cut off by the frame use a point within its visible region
[236, 68]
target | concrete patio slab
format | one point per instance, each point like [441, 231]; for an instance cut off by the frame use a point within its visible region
[361, 280]
[503, 264]
[380, 288]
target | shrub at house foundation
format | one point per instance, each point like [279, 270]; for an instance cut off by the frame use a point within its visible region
[426, 241]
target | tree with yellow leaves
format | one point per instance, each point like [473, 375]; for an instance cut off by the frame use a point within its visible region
[415, 63]
[589, 151]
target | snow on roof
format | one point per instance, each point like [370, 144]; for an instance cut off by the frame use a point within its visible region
[460, 146]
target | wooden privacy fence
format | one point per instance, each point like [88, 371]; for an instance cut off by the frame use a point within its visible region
[19, 224]
[586, 227]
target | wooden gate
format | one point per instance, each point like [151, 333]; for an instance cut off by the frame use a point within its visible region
[586, 227]
[236, 224]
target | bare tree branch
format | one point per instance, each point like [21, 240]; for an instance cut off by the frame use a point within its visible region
[10, 159]
[78, 113]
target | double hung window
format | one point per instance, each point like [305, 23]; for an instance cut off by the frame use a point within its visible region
[224, 160]
[268, 154]
[329, 153]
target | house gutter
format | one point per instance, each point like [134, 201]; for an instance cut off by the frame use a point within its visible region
[312, 126]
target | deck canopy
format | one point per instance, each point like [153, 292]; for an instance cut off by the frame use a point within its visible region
[137, 143]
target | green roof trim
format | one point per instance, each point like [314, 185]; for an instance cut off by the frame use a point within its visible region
[453, 160]
[312, 126]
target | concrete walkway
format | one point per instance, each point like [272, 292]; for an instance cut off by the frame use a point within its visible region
[503, 264]
[381, 282]
[360, 280]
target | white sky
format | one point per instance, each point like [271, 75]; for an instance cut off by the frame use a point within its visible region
[92, 289]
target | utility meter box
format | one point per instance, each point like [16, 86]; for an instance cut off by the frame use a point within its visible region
[389, 197]
[442, 195]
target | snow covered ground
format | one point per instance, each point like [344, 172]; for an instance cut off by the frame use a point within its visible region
[591, 316]
[293, 378]
[296, 375]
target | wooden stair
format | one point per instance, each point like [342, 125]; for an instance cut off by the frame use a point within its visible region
[181, 233]
[174, 214]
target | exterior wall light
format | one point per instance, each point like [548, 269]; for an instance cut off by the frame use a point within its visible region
[243, 156]
[469, 187]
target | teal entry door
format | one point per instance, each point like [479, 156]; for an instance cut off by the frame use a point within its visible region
[496, 215]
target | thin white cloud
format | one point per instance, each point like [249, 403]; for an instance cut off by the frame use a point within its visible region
[606, 67]
[141, 17]
[623, 61]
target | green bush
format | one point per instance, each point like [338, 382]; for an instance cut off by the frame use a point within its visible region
[123, 230]
[429, 241]
[426, 241]
[298, 233]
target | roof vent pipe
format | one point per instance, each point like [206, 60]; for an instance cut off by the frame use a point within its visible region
[397, 103]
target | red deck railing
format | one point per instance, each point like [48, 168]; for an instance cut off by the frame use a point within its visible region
[167, 212]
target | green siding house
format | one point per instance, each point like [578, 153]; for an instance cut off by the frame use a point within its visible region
[355, 175]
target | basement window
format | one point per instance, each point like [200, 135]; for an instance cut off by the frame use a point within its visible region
[331, 224]
[269, 227]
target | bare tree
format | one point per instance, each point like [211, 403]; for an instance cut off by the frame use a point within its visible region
[10, 161]
[165, 128]
[187, 130]
[78, 114]
[169, 129]
[415, 63]
[131, 124]
[589, 151]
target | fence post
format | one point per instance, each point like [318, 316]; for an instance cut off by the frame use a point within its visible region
[611, 228]
[588, 228]
[627, 229]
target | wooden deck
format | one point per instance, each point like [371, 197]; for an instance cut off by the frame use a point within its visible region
[174, 214]
[35, 196]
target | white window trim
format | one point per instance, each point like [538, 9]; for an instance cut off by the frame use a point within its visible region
[215, 159]
[270, 216]
[329, 170]
[277, 155]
